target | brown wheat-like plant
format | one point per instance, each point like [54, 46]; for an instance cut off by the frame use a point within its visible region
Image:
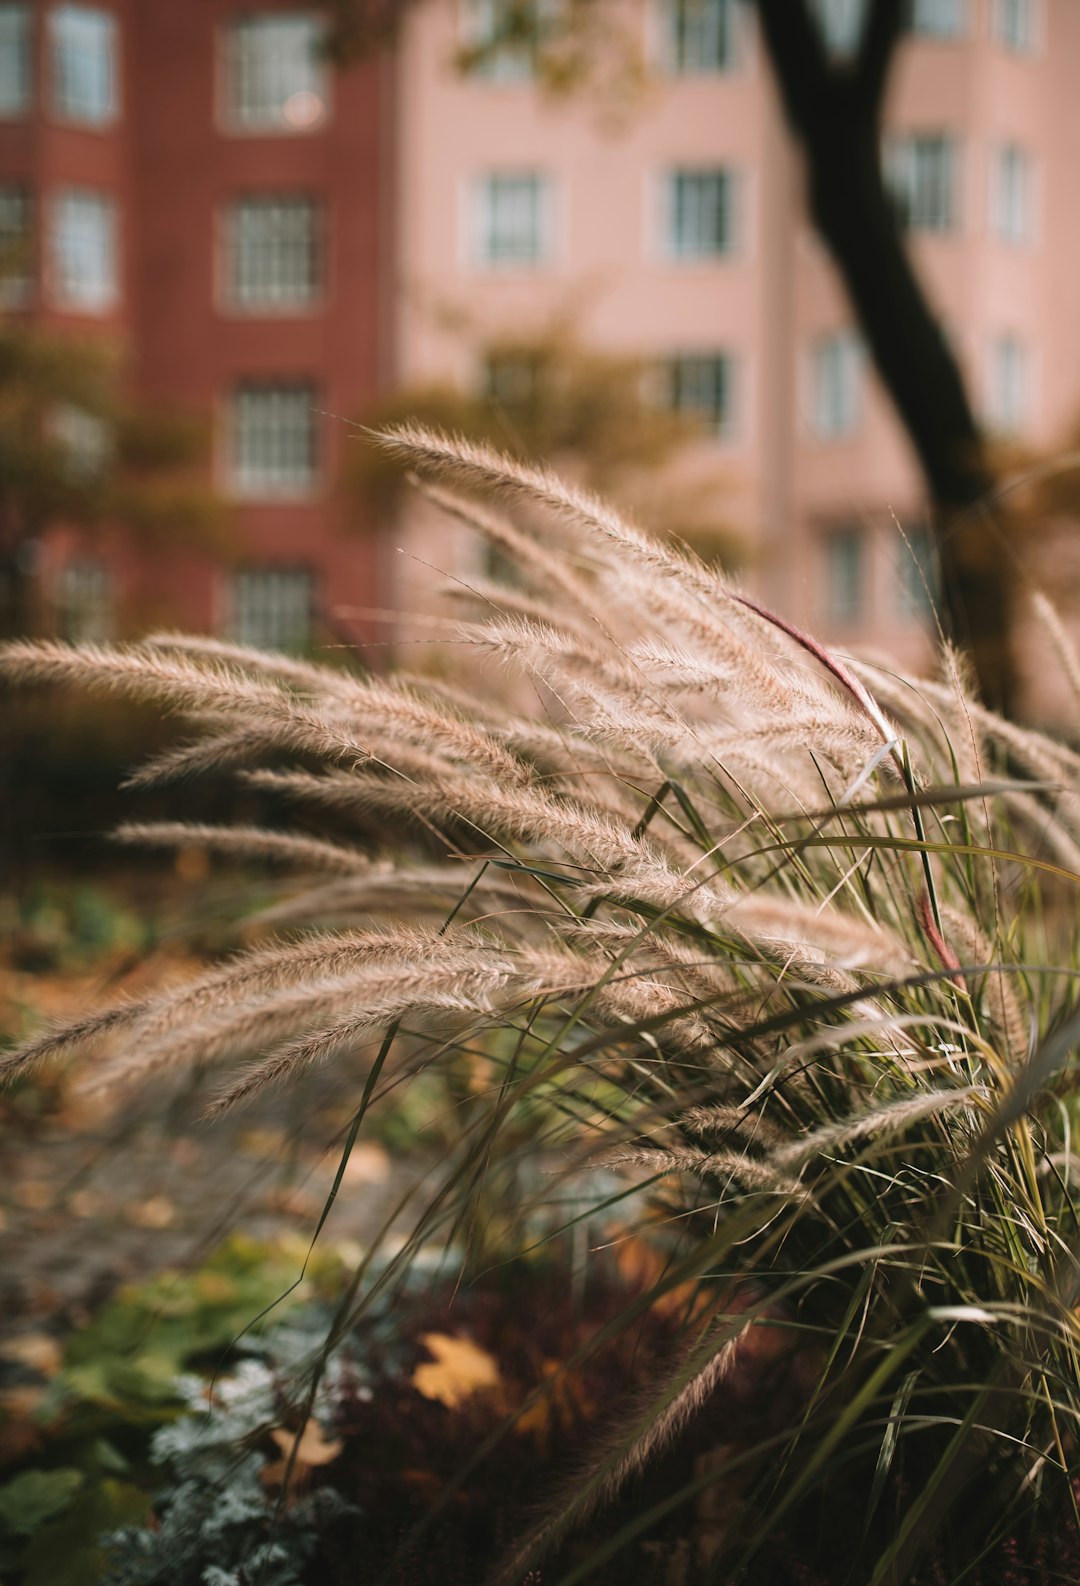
[786, 939]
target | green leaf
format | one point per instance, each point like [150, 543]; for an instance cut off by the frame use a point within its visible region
[68, 1552]
[30, 1499]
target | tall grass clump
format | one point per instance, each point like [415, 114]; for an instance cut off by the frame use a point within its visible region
[788, 942]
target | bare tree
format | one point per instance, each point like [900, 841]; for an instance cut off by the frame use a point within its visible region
[834, 107]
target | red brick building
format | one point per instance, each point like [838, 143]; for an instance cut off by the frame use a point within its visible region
[199, 182]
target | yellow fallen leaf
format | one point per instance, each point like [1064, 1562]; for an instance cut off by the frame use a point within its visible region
[157, 1212]
[311, 1449]
[37, 1350]
[460, 1369]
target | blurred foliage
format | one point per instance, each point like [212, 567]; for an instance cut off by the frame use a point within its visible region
[76, 1432]
[76, 449]
[593, 415]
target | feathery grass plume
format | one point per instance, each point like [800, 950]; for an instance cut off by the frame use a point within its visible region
[778, 935]
[244, 842]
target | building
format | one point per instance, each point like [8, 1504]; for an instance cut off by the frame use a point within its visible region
[671, 221]
[277, 240]
[196, 181]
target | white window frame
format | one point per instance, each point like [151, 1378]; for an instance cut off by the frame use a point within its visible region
[274, 476]
[502, 62]
[17, 51]
[903, 156]
[1023, 39]
[1012, 194]
[682, 63]
[16, 235]
[939, 20]
[84, 438]
[1010, 383]
[84, 600]
[254, 270]
[242, 589]
[852, 609]
[841, 24]
[918, 577]
[723, 426]
[102, 39]
[491, 190]
[71, 208]
[837, 373]
[271, 117]
[673, 247]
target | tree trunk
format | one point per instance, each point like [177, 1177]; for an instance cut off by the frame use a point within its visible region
[835, 110]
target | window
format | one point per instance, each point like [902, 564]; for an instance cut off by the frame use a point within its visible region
[83, 64]
[84, 439]
[700, 213]
[845, 575]
[83, 253]
[836, 377]
[513, 219]
[841, 23]
[1010, 199]
[917, 580]
[16, 246]
[84, 600]
[274, 253]
[921, 172]
[936, 19]
[1015, 24]
[501, 37]
[271, 607]
[700, 36]
[273, 439]
[702, 386]
[1009, 383]
[16, 65]
[276, 78]
[511, 380]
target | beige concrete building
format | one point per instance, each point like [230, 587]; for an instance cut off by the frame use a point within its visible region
[666, 217]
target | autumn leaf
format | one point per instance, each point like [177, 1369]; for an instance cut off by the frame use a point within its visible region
[311, 1449]
[459, 1370]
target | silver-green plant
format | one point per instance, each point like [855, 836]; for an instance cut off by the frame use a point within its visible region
[787, 939]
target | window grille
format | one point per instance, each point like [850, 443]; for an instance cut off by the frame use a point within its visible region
[701, 213]
[502, 38]
[1011, 202]
[1009, 383]
[271, 607]
[841, 23]
[701, 36]
[84, 250]
[16, 246]
[1016, 25]
[84, 601]
[845, 575]
[83, 61]
[921, 172]
[918, 580]
[837, 371]
[16, 60]
[275, 252]
[936, 19]
[273, 439]
[514, 219]
[702, 386]
[276, 75]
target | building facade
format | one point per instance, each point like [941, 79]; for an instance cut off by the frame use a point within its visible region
[199, 184]
[275, 240]
[668, 217]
